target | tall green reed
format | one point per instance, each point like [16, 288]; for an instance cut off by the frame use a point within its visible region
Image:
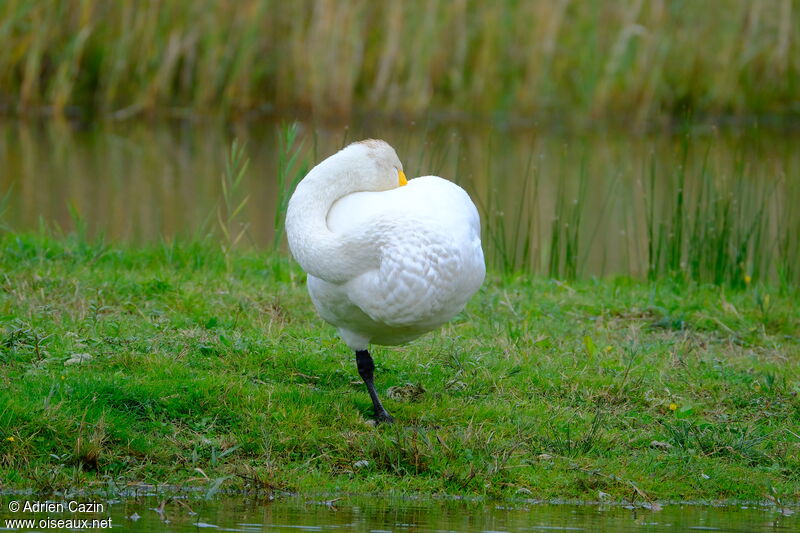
[565, 234]
[230, 210]
[689, 219]
[509, 218]
[292, 167]
[708, 227]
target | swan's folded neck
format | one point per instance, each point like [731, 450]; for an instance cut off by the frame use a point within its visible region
[326, 255]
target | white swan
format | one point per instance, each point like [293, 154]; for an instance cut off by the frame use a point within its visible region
[387, 259]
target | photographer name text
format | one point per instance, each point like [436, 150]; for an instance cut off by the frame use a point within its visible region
[62, 507]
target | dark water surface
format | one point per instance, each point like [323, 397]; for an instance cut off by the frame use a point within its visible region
[380, 515]
[144, 181]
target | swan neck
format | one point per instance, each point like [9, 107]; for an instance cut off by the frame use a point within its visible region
[320, 252]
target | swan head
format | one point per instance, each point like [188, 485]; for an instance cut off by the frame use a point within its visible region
[366, 166]
[375, 165]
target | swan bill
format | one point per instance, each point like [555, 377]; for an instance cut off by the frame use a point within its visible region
[401, 177]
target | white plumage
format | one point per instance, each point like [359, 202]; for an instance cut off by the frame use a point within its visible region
[386, 263]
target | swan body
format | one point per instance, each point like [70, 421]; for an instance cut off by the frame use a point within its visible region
[386, 263]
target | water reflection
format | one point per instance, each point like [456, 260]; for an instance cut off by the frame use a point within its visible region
[595, 199]
[385, 515]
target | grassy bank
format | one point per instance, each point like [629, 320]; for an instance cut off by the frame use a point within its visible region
[630, 58]
[120, 365]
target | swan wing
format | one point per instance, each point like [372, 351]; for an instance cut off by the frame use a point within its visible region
[430, 258]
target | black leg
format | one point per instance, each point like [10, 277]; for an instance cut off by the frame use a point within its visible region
[365, 369]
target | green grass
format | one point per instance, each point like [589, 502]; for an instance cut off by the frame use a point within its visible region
[627, 61]
[217, 377]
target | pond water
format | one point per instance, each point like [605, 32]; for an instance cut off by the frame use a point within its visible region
[382, 515]
[590, 203]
